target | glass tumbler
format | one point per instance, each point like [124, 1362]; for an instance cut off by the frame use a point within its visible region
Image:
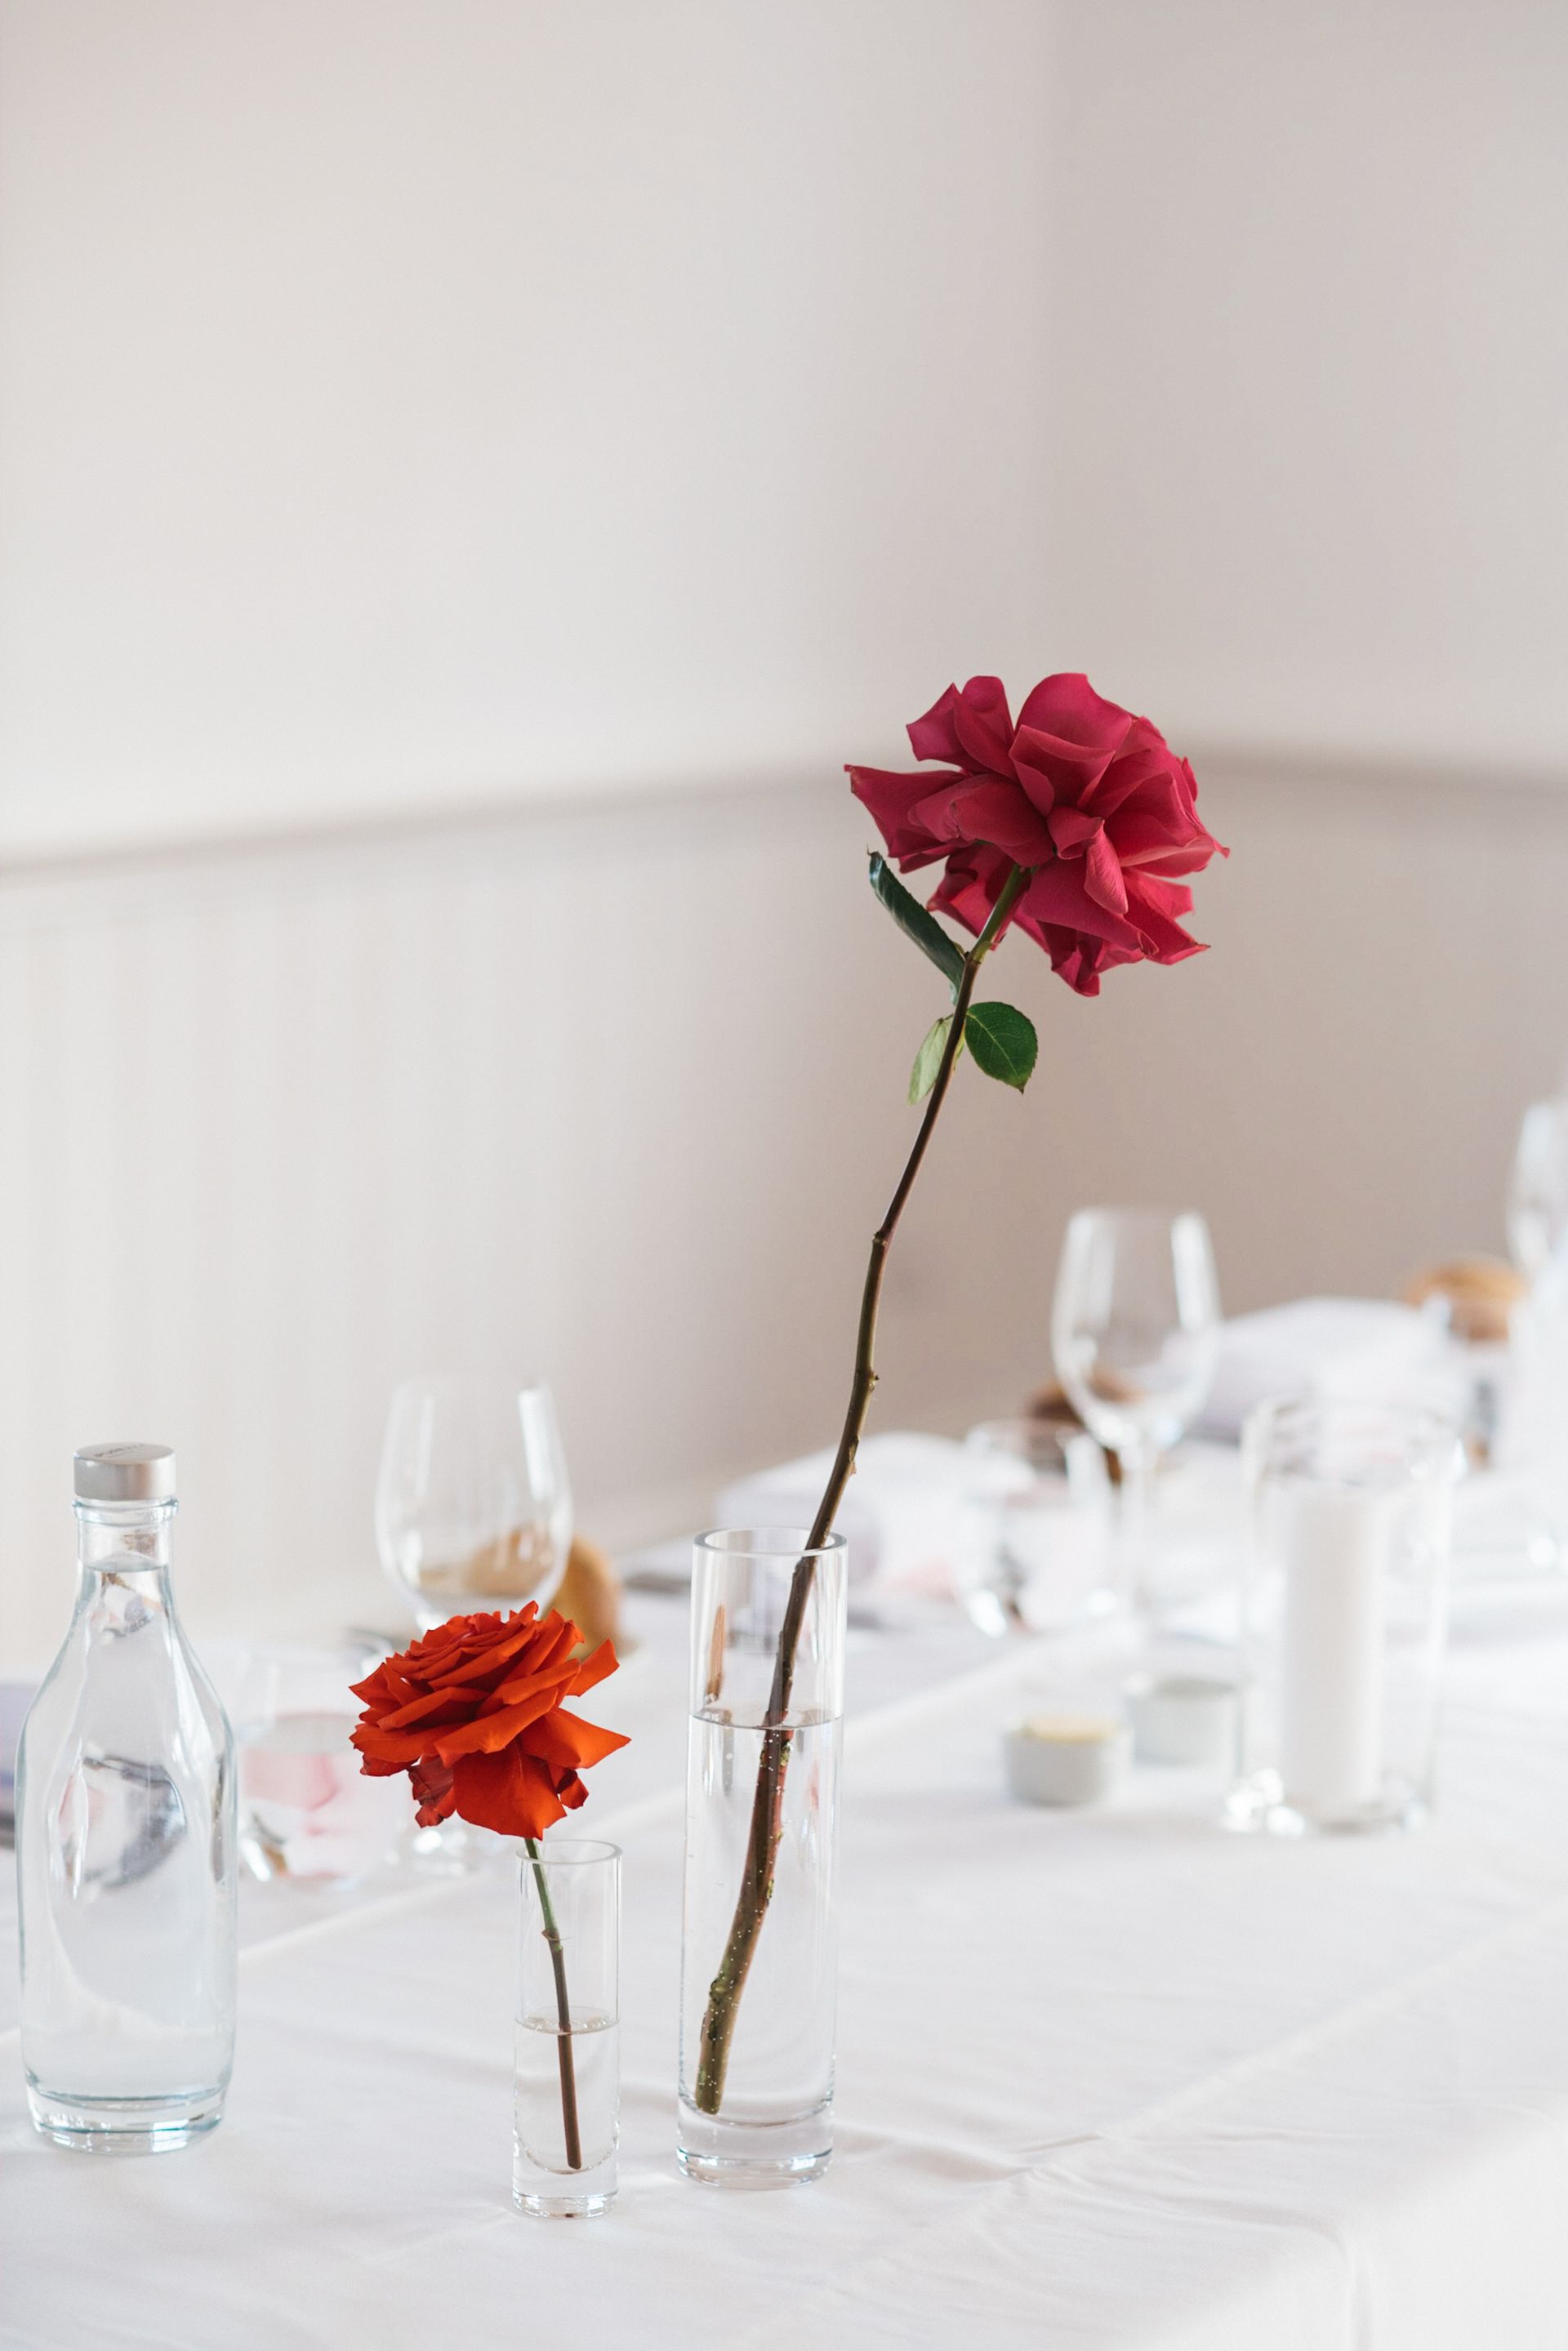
[307, 1812]
[1037, 1509]
[567, 2078]
[1344, 1615]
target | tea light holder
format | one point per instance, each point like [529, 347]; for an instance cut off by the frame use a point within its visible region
[1182, 1717]
[1066, 1758]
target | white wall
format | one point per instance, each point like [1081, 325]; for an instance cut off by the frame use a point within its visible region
[1310, 366]
[406, 406]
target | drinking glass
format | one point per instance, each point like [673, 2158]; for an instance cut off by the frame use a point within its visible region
[1135, 1328]
[1037, 1507]
[1538, 1187]
[473, 1515]
[567, 2096]
[307, 1812]
[473, 1509]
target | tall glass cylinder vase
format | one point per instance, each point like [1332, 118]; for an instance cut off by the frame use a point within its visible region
[1344, 1611]
[759, 1959]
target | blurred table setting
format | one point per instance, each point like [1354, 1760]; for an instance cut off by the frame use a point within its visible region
[1106, 2074]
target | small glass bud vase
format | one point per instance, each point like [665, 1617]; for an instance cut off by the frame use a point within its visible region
[567, 2104]
[1345, 1616]
[758, 1950]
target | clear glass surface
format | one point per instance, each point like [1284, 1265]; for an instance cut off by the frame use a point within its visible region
[473, 1506]
[567, 2094]
[473, 1515]
[306, 1811]
[126, 1861]
[1037, 1507]
[773, 2121]
[1538, 1187]
[1345, 1608]
[1135, 1330]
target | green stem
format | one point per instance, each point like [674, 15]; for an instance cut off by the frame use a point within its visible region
[768, 1805]
[563, 2009]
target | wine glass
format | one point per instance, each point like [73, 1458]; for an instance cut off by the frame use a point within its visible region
[1134, 1329]
[473, 1515]
[1538, 1187]
[473, 1509]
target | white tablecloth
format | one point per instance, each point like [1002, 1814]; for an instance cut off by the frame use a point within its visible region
[1107, 2079]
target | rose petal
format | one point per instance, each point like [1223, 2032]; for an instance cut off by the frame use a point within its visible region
[934, 737]
[593, 1669]
[1057, 895]
[894, 800]
[1103, 875]
[397, 1748]
[511, 1793]
[1150, 905]
[423, 1710]
[571, 1744]
[1066, 707]
[971, 885]
[1005, 816]
[983, 725]
[489, 1733]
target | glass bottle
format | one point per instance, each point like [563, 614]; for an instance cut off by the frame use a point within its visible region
[125, 1842]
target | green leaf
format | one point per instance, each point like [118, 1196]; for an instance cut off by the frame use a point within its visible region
[923, 1076]
[914, 922]
[1003, 1043]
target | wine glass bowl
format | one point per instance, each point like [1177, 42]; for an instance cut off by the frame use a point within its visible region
[1134, 1326]
[1134, 1333]
[473, 1506]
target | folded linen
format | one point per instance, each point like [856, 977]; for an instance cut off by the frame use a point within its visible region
[904, 1515]
[1354, 1348]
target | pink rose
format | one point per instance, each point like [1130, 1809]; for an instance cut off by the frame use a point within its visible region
[1093, 801]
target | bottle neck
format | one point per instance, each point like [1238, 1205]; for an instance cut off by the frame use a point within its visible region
[124, 1539]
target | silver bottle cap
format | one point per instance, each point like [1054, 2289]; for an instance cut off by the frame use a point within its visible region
[125, 1473]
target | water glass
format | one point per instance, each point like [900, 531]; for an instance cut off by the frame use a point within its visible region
[307, 1812]
[567, 2102]
[1037, 1512]
[1344, 1615]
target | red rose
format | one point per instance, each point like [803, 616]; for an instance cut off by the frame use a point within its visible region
[471, 1712]
[1093, 801]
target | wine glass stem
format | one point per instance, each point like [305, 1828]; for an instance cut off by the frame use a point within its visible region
[1137, 1467]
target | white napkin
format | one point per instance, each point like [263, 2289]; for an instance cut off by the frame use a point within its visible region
[1358, 1349]
[903, 1517]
